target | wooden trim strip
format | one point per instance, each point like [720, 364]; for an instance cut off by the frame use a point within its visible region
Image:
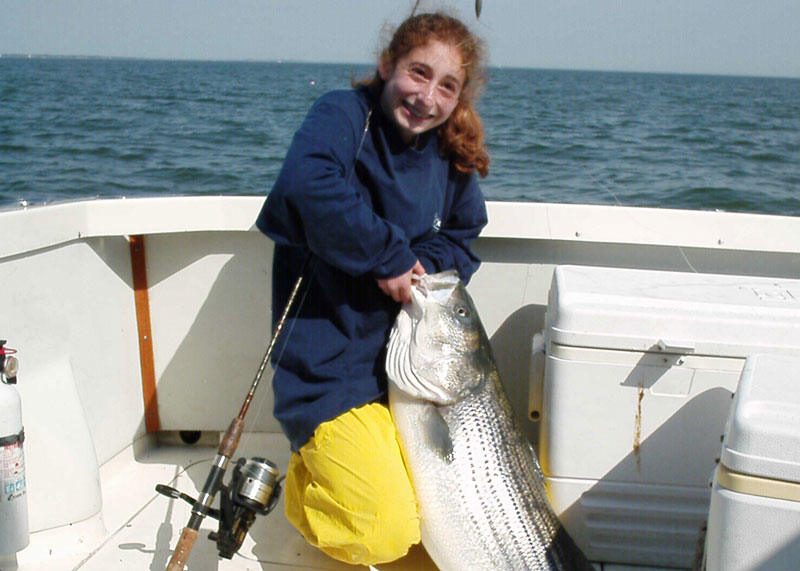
[142, 301]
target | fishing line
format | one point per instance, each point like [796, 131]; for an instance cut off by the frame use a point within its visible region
[603, 186]
[633, 219]
[286, 337]
[240, 502]
[309, 268]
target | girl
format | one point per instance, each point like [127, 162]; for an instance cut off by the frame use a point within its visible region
[379, 185]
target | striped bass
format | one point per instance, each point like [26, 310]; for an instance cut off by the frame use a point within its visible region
[478, 483]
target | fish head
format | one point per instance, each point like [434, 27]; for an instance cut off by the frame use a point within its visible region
[438, 349]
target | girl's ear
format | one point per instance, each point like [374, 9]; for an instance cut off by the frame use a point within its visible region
[385, 69]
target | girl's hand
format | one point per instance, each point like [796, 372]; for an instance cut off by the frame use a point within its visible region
[399, 287]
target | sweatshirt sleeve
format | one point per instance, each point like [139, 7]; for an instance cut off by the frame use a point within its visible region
[313, 205]
[450, 247]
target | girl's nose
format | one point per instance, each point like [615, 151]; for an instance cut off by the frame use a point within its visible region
[426, 94]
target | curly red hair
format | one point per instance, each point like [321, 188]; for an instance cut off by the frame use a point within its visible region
[462, 134]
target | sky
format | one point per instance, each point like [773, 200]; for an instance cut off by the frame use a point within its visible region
[731, 37]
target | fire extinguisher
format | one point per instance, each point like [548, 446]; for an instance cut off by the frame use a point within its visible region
[13, 500]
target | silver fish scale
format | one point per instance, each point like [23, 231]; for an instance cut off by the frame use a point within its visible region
[480, 490]
[506, 501]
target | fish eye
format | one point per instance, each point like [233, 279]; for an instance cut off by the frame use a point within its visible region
[462, 311]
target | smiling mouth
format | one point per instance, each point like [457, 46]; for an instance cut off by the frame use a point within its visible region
[419, 115]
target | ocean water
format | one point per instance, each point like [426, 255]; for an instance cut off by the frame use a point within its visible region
[81, 128]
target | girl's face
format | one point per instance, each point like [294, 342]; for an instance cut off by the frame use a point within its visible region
[422, 88]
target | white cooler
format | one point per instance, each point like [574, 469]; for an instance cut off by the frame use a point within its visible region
[640, 371]
[754, 521]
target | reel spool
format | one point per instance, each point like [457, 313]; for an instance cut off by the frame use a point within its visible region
[254, 489]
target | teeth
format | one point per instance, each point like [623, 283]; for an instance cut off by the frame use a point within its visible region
[416, 113]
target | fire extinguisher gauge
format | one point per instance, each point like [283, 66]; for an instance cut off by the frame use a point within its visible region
[10, 367]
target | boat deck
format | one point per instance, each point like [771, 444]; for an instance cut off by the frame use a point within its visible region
[138, 528]
[70, 281]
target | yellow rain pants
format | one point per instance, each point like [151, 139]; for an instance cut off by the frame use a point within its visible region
[348, 492]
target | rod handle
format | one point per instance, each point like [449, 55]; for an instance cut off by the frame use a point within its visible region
[229, 443]
[181, 554]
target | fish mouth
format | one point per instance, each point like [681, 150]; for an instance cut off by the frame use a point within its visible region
[420, 290]
[433, 288]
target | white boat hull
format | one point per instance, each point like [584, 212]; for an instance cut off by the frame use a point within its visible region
[66, 285]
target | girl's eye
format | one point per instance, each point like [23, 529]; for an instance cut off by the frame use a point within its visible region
[449, 88]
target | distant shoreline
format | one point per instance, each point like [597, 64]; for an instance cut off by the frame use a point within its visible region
[138, 58]
[19, 56]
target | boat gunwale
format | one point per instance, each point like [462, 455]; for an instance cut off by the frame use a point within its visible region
[34, 228]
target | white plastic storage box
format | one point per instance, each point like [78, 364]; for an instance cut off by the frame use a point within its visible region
[640, 371]
[754, 521]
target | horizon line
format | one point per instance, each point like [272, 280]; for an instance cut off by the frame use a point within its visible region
[18, 55]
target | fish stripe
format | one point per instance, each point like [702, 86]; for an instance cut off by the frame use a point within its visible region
[484, 502]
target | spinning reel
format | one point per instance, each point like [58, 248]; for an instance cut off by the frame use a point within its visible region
[254, 490]
[254, 487]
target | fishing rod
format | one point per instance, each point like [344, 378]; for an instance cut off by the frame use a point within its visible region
[478, 8]
[254, 487]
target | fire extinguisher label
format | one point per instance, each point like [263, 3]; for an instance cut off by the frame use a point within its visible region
[12, 472]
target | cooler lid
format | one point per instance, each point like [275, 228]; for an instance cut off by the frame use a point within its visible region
[675, 312]
[762, 437]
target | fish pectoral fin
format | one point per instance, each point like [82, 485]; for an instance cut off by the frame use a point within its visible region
[474, 385]
[437, 433]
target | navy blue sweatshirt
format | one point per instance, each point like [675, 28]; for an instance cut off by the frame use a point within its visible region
[364, 215]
